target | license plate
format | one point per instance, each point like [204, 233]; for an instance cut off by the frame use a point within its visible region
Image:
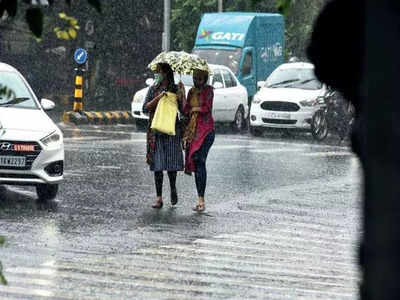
[12, 161]
[273, 115]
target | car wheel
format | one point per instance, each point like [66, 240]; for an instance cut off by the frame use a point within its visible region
[46, 192]
[255, 131]
[239, 121]
[319, 126]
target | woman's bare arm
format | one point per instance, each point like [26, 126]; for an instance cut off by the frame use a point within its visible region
[151, 105]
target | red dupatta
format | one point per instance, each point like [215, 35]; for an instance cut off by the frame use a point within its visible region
[204, 122]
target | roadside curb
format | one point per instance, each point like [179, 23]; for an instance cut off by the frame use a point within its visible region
[98, 117]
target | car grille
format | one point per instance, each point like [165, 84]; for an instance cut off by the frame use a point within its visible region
[30, 156]
[279, 121]
[280, 106]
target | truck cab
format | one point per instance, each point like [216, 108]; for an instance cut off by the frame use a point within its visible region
[250, 44]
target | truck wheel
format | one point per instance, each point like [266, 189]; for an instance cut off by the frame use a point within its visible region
[46, 192]
[238, 123]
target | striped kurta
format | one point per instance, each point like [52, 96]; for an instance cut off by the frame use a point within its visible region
[164, 152]
[168, 155]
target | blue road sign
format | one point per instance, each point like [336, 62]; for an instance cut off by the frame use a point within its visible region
[80, 56]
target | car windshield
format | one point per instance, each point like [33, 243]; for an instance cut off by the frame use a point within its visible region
[186, 79]
[18, 94]
[299, 78]
[229, 58]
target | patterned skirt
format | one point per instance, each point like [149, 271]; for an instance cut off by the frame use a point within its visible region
[168, 154]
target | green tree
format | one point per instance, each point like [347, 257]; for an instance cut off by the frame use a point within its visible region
[126, 36]
[33, 12]
[185, 17]
[299, 19]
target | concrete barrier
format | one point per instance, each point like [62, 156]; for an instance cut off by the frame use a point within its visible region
[98, 117]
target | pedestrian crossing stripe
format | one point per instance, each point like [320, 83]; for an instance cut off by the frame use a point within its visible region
[242, 265]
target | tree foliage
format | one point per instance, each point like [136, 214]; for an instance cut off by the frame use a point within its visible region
[70, 29]
[283, 6]
[34, 17]
[185, 17]
[299, 18]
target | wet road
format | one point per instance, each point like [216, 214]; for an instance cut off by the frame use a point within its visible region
[282, 221]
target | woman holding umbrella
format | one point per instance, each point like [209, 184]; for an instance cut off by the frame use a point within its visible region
[199, 134]
[164, 152]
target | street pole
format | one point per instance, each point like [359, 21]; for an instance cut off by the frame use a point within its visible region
[78, 93]
[220, 5]
[167, 25]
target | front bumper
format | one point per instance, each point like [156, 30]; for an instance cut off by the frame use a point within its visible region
[46, 168]
[281, 119]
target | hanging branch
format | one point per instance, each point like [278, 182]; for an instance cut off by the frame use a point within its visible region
[34, 14]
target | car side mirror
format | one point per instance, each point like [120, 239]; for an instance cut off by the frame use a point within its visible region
[218, 85]
[149, 81]
[47, 104]
[260, 84]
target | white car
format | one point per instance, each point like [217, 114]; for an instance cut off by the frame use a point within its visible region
[31, 145]
[287, 99]
[230, 97]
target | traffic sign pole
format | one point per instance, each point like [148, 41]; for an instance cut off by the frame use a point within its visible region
[80, 57]
[78, 94]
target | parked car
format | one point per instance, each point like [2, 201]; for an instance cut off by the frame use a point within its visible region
[230, 97]
[287, 99]
[31, 144]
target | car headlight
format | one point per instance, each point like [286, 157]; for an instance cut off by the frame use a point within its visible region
[256, 100]
[53, 140]
[310, 102]
[138, 98]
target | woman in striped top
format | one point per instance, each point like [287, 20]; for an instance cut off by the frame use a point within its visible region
[164, 152]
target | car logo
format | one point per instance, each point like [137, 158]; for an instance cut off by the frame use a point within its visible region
[5, 146]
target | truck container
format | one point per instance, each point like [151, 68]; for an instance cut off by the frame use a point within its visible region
[250, 44]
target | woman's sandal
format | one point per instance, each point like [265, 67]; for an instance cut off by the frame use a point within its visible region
[159, 204]
[199, 207]
[174, 197]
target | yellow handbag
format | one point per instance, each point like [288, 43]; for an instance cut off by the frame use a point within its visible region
[165, 115]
